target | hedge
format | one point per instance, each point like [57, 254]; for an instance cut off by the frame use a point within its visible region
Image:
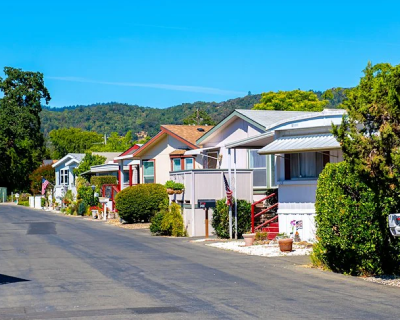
[220, 221]
[99, 181]
[168, 222]
[352, 233]
[140, 203]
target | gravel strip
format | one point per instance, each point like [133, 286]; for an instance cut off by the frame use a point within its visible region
[385, 280]
[115, 222]
[265, 250]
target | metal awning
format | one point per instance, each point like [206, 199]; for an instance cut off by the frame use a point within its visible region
[196, 152]
[255, 142]
[295, 144]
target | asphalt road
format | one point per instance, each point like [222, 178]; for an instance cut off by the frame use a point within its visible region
[58, 267]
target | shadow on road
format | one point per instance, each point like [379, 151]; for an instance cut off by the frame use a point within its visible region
[8, 279]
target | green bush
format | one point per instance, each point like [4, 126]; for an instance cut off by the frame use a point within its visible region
[172, 222]
[24, 197]
[352, 233]
[81, 208]
[85, 193]
[23, 203]
[220, 221]
[170, 184]
[99, 181]
[43, 202]
[178, 186]
[155, 226]
[141, 202]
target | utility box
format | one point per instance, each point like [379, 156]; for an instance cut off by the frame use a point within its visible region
[206, 203]
[394, 224]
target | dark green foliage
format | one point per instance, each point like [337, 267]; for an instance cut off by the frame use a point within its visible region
[21, 142]
[99, 181]
[85, 193]
[370, 139]
[220, 221]
[141, 202]
[24, 196]
[199, 117]
[81, 208]
[88, 161]
[352, 232]
[155, 226]
[43, 202]
[72, 140]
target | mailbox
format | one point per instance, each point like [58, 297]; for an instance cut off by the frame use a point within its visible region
[394, 224]
[206, 203]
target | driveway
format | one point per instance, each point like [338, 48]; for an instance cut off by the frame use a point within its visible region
[59, 267]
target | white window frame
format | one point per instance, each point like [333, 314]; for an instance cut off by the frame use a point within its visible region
[64, 177]
[186, 163]
[154, 171]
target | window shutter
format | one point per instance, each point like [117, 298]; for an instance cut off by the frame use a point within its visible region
[287, 167]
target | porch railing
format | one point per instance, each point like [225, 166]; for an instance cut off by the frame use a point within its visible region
[254, 216]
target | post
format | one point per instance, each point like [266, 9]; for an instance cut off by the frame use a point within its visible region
[252, 218]
[234, 170]
[230, 185]
[206, 222]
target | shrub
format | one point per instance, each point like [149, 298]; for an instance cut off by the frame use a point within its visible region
[352, 233]
[85, 193]
[24, 197]
[220, 221]
[172, 222]
[141, 202]
[42, 202]
[23, 203]
[81, 208]
[155, 226]
[261, 236]
[99, 181]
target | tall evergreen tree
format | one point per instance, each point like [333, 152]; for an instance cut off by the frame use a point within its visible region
[21, 142]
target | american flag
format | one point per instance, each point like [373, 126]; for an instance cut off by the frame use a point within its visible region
[44, 185]
[228, 193]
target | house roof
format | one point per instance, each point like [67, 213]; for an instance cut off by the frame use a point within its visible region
[131, 150]
[70, 157]
[259, 118]
[307, 143]
[178, 152]
[187, 134]
[108, 155]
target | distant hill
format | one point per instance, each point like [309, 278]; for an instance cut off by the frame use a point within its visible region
[120, 117]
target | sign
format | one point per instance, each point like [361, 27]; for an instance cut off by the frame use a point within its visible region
[299, 224]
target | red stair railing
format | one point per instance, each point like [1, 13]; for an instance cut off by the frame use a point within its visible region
[253, 216]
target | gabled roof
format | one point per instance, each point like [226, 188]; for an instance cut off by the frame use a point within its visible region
[131, 150]
[259, 118]
[187, 134]
[70, 157]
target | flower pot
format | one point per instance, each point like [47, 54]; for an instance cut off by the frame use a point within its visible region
[178, 191]
[285, 244]
[170, 191]
[248, 239]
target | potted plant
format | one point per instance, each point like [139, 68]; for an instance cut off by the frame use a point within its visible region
[248, 239]
[170, 186]
[285, 243]
[178, 188]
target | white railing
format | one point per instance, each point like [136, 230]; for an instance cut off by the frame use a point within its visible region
[209, 184]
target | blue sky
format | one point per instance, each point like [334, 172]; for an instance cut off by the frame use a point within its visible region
[163, 53]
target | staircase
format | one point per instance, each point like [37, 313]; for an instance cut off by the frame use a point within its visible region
[264, 217]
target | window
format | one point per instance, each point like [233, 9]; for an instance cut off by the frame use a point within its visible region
[258, 163]
[188, 163]
[176, 164]
[212, 161]
[148, 171]
[305, 165]
[64, 176]
[126, 177]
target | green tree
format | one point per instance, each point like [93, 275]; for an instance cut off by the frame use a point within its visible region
[115, 143]
[21, 142]
[296, 100]
[370, 140]
[88, 161]
[199, 117]
[72, 140]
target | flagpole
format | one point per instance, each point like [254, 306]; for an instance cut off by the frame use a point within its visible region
[230, 183]
[234, 170]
